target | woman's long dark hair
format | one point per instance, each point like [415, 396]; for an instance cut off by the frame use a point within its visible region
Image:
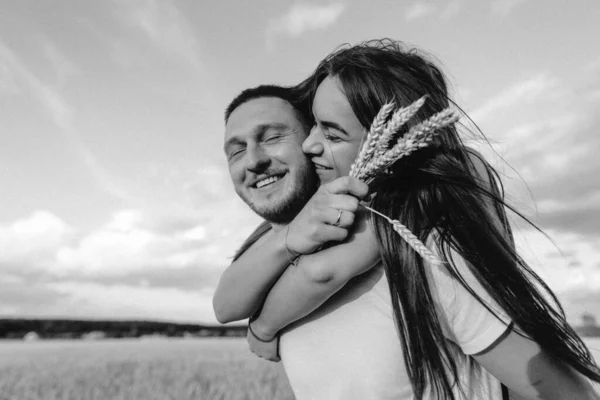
[438, 192]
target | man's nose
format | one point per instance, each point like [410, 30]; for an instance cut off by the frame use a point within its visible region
[257, 160]
[313, 144]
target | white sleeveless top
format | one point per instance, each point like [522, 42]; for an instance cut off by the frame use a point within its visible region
[349, 348]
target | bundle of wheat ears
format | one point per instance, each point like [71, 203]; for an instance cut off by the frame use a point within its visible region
[383, 146]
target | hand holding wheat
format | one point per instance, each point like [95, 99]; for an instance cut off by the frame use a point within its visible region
[383, 146]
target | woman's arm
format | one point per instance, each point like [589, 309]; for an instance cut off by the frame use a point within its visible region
[302, 289]
[244, 284]
[529, 372]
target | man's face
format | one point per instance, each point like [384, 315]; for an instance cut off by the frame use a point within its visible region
[263, 146]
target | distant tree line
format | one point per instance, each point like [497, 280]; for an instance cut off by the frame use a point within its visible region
[75, 329]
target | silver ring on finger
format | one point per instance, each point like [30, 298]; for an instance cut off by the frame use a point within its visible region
[339, 218]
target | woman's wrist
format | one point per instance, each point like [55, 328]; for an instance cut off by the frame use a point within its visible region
[260, 331]
[292, 255]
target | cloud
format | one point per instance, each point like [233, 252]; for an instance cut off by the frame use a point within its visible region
[573, 264]
[419, 10]
[63, 67]
[545, 127]
[165, 26]
[123, 246]
[504, 7]
[303, 17]
[129, 302]
[75, 299]
[52, 102]
[571, 268]
[20, 297]
[125, 256]
[452, 9]
[8, 84]
[547, 130]
[175, 251]
[525, 91]
[61, 112]
[33, 240]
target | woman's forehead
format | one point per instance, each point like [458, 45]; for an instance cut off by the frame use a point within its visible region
[331, 103]
[330, 97]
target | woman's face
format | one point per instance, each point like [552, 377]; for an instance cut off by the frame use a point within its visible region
[335, 138]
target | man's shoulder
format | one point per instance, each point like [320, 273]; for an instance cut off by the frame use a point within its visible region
[254, 237]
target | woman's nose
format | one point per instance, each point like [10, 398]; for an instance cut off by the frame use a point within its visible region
[313, 144]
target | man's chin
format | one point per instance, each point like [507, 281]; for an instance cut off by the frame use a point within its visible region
[281, 210]
[278, 212]
[281, 204]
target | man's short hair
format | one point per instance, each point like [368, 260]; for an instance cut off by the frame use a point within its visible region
[289, 94]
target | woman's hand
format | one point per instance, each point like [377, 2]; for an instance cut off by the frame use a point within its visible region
[263, 349]
[327, 216]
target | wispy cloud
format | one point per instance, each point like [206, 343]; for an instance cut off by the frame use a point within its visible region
[60, 111]
[302, 18]
[522, 92]
[52, 102]
[547, 131]
[452, 9]
[419, 10]
[63, 67]
[164, 24]
[8, 84]
[504, 7]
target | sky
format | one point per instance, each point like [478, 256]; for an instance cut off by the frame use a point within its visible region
[115, 198]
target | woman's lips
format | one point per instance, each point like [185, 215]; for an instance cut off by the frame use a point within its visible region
[320, 166]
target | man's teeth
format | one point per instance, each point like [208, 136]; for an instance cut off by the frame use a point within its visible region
[267, 181]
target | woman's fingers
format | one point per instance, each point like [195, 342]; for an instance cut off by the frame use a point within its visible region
[339, 217]
[347, 185]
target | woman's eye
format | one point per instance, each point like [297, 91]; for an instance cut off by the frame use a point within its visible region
[332, 138]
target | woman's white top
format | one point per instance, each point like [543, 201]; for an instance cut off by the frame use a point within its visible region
[349, 348]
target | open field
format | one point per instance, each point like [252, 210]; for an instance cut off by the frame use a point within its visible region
[153, 369]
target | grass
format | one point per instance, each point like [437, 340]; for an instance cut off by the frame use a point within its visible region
[153, 369]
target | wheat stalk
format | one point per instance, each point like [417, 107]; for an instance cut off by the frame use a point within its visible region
[400, 117]
[382, 148]
[372, 138]
[411, 239]
[417, 137]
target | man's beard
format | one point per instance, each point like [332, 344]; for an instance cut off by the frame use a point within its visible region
[286, 209]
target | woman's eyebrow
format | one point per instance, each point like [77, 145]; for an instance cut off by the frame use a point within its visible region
[334, 125]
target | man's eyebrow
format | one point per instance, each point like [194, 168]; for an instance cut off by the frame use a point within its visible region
[262, 128]
[334, 125]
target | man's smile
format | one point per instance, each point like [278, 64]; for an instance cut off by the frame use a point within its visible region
[267, 181]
